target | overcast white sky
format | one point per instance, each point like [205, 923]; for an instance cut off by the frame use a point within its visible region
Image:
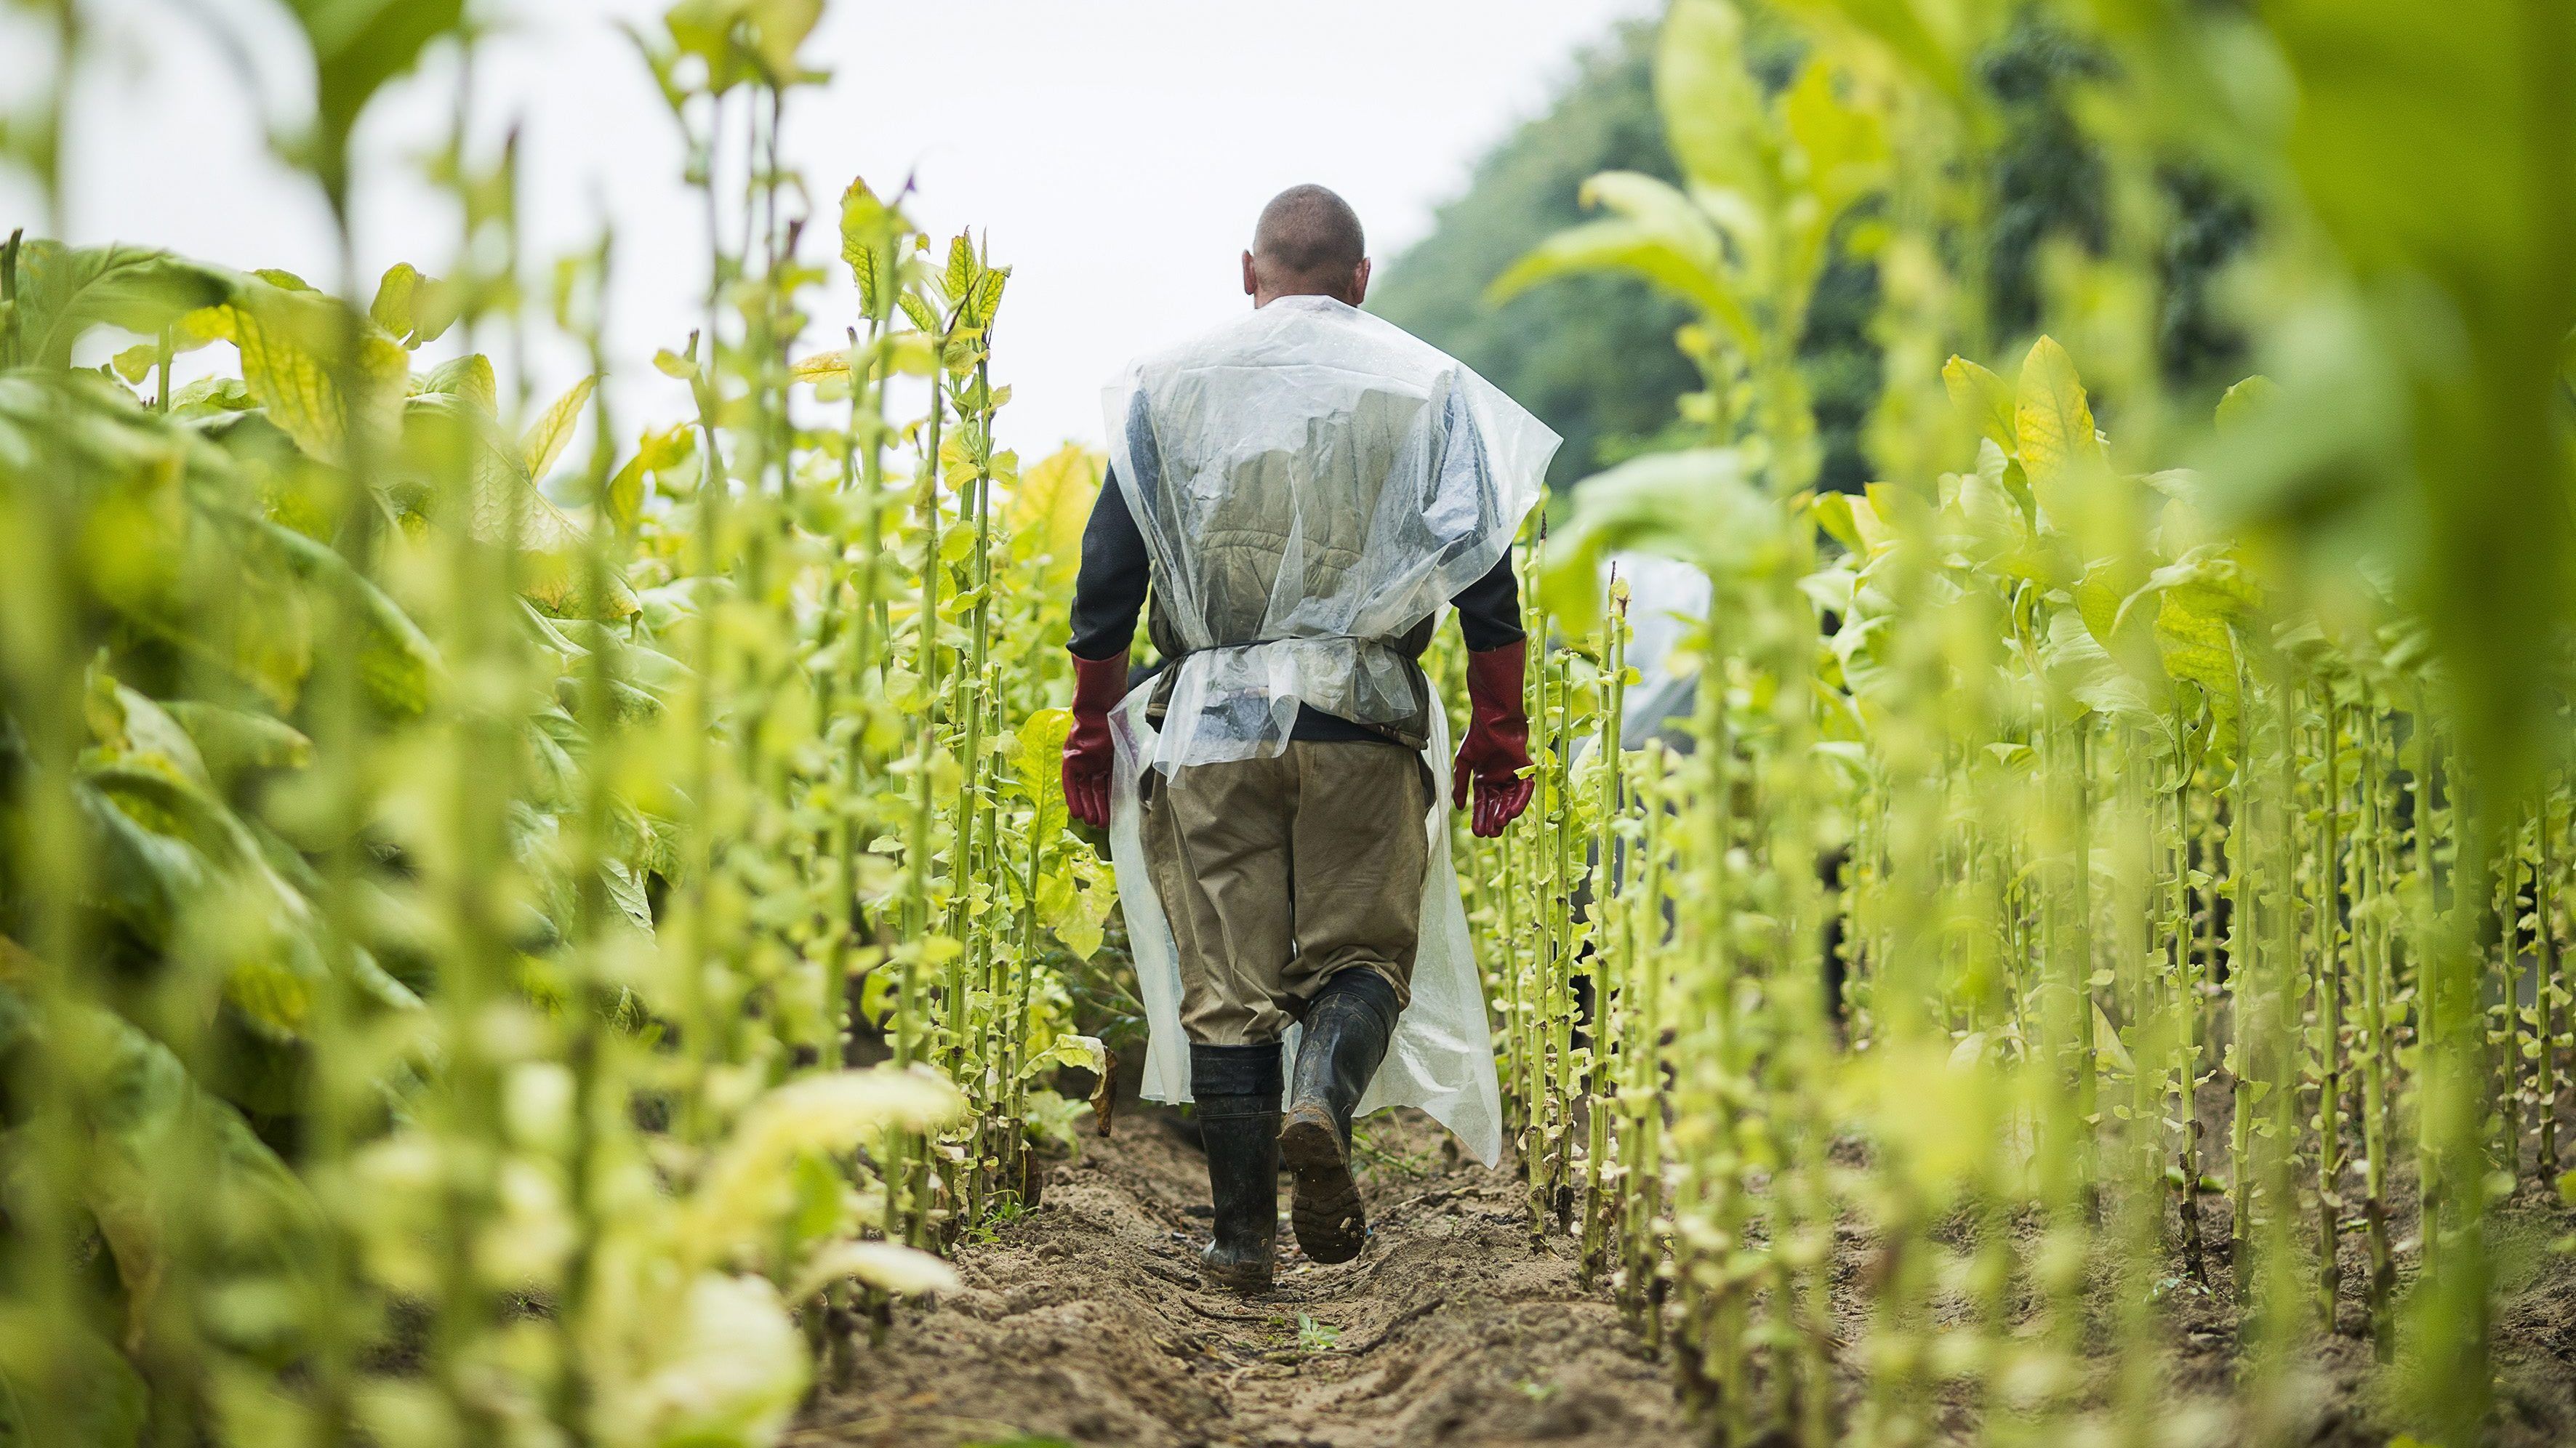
[1116, 149]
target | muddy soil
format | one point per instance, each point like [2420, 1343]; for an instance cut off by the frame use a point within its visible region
[1083, 1321]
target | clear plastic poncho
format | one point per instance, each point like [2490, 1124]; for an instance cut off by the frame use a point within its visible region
[1313, 483]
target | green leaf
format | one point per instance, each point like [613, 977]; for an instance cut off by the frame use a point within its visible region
[657, 451]
[740, 38]
[869, 229]
[1658, 235]
[395, 659]
[412, 308]
[1932, 41]
[64, 291]
[2246, 402]
[958, 281]
[1844, 146]
[234, 742]
[137, 362]
[1984, 400]
[1074, 916]
[986, 304]
[68, 1386]
[468, 378]
[1081, 1052]
[445, 432]
[1714, 115]
[1699, 506]
[357, 46]
[1833, 513]
[1993, 516]
[1037, 762]
[169, 1160]
[2103, 597]
[2078, 668]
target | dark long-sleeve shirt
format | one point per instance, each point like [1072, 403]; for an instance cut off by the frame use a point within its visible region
[1110, 591]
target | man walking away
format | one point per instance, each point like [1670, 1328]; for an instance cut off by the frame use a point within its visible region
[1298, 492]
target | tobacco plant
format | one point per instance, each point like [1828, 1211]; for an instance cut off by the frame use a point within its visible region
[456, 876]
[2185, 899]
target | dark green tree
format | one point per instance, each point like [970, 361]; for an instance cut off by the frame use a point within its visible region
[1593, 356]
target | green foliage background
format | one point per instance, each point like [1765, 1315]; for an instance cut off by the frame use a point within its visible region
[1594, 356]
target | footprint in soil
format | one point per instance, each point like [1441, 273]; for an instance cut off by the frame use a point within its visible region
[1085, 1322]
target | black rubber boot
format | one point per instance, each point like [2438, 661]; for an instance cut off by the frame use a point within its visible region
[1237, 1093]
[1346, 1030]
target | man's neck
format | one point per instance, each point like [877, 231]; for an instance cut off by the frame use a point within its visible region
[1266, 299]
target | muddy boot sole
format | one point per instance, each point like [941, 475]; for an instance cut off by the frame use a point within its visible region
[1331, 1226]
[1245, 1277]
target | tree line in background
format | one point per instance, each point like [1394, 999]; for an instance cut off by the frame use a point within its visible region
[1594, 357]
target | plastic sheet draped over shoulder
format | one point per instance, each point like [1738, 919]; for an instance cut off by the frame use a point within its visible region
[1311, 482]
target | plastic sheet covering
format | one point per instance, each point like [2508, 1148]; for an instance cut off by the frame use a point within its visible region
[1442, 1057]
[1667, 600]
[1311, 482]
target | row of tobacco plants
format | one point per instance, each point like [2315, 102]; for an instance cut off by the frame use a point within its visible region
[461, 860]
[2105, 890]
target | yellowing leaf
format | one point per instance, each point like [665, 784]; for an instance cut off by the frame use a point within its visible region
[289, 341]
[545, 438]
[820, 366]
[1049, 507]
[2197, 646]
[2052, 424]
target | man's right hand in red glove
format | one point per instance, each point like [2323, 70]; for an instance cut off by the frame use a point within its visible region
[1493, 756]
[1098, 685]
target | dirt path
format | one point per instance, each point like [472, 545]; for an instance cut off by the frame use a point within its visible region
[1084, 1322]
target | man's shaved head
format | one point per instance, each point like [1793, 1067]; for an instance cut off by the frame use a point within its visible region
[1308, 242]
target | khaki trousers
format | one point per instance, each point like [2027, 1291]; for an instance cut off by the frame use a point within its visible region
[1278, 874]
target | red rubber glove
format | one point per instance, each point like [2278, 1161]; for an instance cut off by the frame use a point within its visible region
[1496, 748]
[1098, 685]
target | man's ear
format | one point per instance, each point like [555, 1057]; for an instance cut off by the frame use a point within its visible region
[1359, 283]
[1251, 279]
